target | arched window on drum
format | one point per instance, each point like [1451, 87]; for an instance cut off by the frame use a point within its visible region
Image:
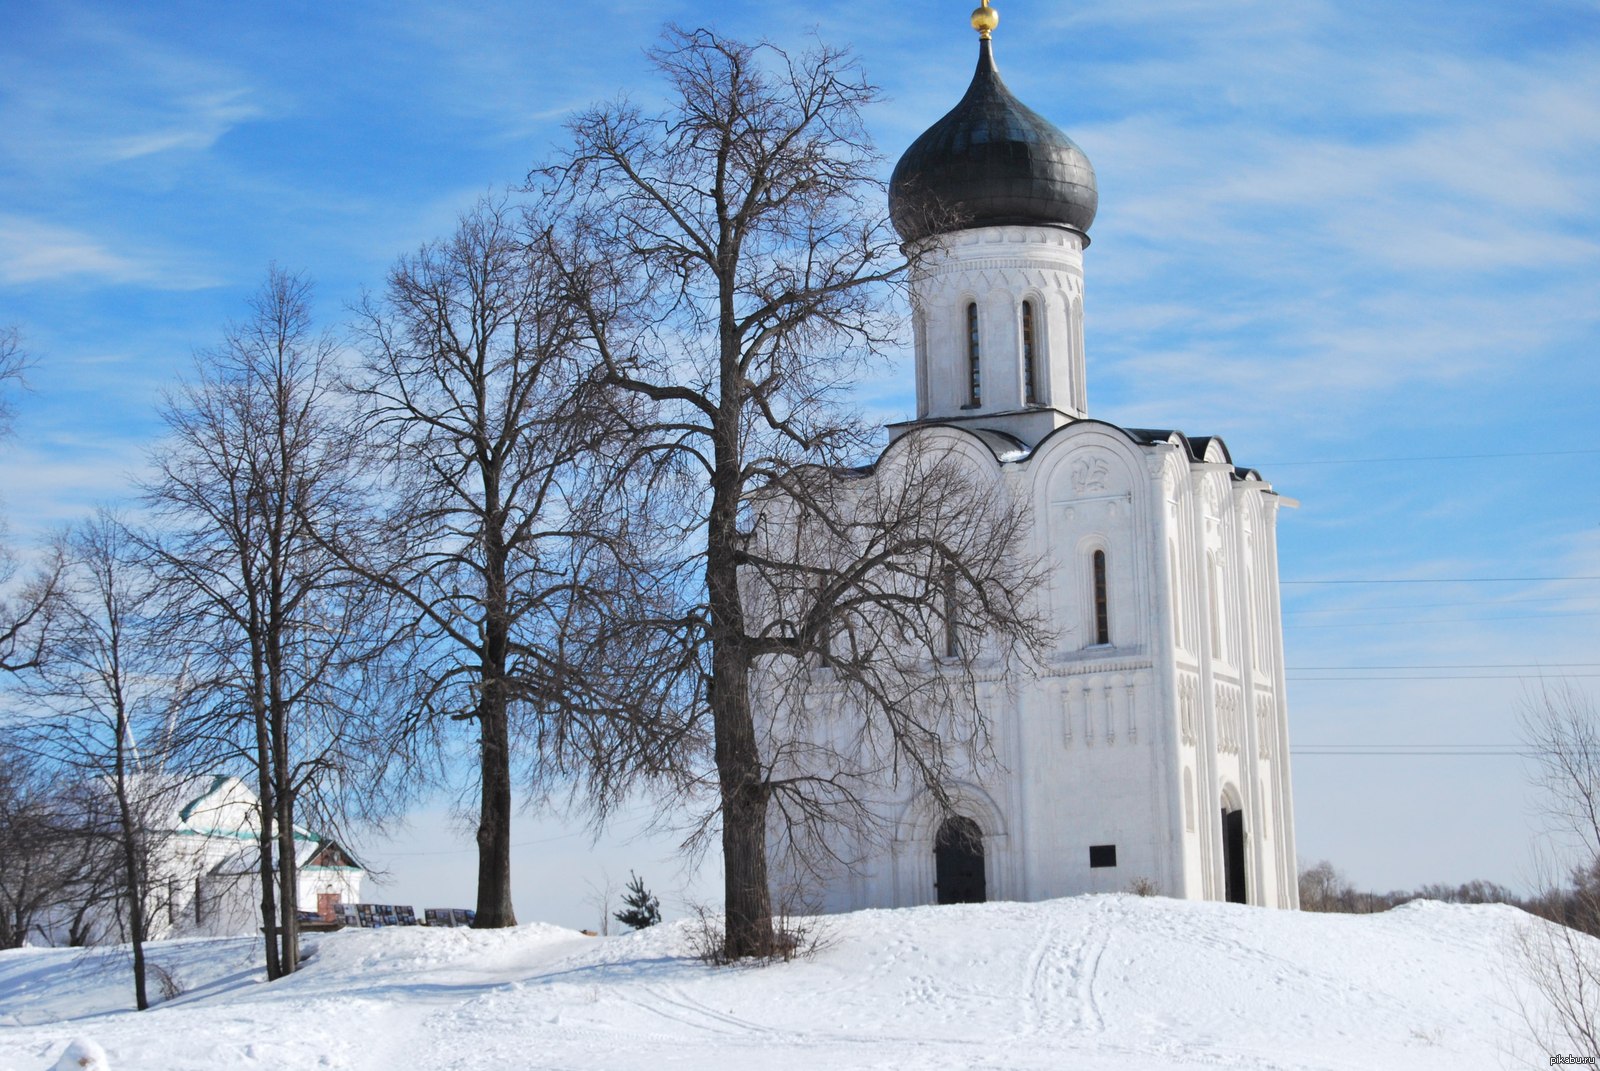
[1102, 599]
[974, 372]
[1030, 363]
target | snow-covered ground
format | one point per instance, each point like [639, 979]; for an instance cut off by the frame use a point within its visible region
[1095, 982]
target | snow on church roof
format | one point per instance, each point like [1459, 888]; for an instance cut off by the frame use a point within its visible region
[1009, 450]
[220, 806]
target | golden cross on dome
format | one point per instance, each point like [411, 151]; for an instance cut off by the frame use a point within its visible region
[985, 19]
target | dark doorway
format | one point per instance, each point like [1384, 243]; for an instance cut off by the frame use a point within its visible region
[1233, 855]
[958, 862]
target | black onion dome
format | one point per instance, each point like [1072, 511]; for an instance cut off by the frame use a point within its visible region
[990, 162]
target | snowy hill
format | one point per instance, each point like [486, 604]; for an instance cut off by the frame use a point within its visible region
[1096, 982]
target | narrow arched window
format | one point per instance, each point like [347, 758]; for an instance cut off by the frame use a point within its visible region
[1214, 593]
[1030, 387]
[1179, 636]
[974, 378]
[947, 595]
[1102, 609]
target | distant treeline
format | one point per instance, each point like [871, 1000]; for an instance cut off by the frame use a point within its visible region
[1324, 888]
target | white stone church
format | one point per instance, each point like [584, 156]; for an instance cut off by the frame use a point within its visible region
[1152, 747]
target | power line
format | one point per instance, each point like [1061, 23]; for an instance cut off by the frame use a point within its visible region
[1438, 605]
[1402, 752]
[1475, 665]
[1452, 580]
[1444, 621]
[1431, 745]
[1451, 677]
[1425, 457]
[473, 847]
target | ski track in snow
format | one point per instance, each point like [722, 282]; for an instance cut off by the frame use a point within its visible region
[1091, 983]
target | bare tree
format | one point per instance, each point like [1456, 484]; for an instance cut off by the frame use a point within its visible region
[475, 389]
[261, 466]
[1562, 726]
[106, 693]
[32, 879]
[28, 599]
[13, 363]
[733, 264]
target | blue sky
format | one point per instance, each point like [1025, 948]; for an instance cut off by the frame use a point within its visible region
[1353, 239]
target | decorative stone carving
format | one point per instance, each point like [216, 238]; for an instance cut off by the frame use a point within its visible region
[1089, 474]
[1264, 723]
[1188, 706]
[1228, 719]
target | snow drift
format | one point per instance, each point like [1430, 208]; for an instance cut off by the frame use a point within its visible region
[1089, 982]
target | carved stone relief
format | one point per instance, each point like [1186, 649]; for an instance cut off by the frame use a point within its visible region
[1229, 724]
[1089, 474]
[1099, 709]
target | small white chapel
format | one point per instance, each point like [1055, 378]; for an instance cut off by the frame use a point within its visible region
[1150, 751]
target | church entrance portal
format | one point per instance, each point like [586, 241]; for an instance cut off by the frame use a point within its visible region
[1233, 855]
[958, 862]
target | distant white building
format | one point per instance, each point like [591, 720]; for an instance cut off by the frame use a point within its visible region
[206, 874]
[1153, 744]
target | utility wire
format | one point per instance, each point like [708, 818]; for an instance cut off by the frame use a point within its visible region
[1404, 753]
[1452, 580]
[1475, 665]
[1443, 621]
[1424, 457]
[1451, 677]
[1432, 745]
[1438, 605]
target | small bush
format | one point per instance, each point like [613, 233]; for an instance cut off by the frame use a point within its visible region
[168, 985]
[791, 939]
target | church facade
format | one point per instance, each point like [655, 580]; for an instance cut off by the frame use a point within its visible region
[1150, 749]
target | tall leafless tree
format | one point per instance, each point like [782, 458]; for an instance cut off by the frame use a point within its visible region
[262, 463]
[476, 393]
[734, 268]
[28, 598]
[1561, 725]
[103, 700]
[32, 878]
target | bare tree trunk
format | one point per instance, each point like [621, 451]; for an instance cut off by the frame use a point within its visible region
[494, 910]
[746, 891]
[268, 821]
[283, 788]
[288, 885]
[747, 899]
[134, 875]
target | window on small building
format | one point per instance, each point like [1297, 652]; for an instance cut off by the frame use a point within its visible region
[1030, 388]
[974, 377]
[1102, 609]
[1102, 855]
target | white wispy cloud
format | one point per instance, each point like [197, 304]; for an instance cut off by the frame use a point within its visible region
[1386, 220]
[132, 96]
[33, 251]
